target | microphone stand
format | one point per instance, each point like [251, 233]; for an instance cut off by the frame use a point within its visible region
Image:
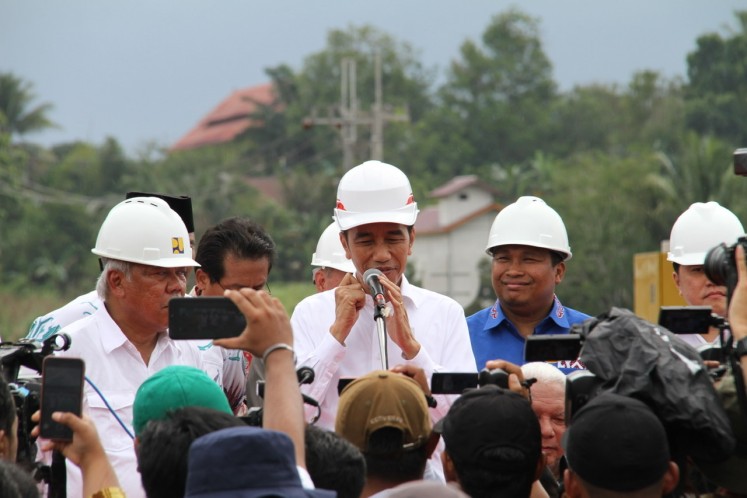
[381, 329]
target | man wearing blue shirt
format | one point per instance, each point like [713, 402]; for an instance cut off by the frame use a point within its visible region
[529, 246]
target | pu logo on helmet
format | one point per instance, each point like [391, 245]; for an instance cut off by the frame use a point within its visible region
[340, 205]
[410, 199]
[177, 245]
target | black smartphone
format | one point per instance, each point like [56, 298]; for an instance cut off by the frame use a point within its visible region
[452, 382]
[686, 319]
[552, 347]
[204, 318]
[61, 391]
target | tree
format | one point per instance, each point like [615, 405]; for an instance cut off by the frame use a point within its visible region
[610, 214]
[497, 94]
[16, 118]
[716, 93]
[285, 144]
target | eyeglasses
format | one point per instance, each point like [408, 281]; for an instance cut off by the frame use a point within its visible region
[266, 287]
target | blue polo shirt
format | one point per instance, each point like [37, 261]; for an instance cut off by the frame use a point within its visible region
[494, 337]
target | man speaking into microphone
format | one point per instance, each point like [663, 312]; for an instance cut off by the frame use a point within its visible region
[335, 332]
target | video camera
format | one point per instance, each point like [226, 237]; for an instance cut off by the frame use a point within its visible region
[697, 320]
[305, 376]
[721, 265]
[457, 382]
[26, 392]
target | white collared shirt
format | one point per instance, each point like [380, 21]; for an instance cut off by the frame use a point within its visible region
[437, 322]
[115, 366]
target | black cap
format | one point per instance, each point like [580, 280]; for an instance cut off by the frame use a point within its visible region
[489, 418]
[617, 443]
[181, 204]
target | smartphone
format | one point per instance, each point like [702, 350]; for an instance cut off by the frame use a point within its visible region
[686, 319]
[552, 347]
[61, 391]
[452, 382]
[204, 318]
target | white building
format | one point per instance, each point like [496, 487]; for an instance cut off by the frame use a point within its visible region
[450, 238]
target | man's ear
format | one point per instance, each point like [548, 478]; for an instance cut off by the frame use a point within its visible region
[559, 272]
[448, 464]
[671, 478]
[676, 278]
[115, 280]
[344, 242]
[202, 279]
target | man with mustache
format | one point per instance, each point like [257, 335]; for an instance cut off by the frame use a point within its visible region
[335, 331]
[145, 255]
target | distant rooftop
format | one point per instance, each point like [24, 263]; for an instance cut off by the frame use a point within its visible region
[459, 183]
[228, 119]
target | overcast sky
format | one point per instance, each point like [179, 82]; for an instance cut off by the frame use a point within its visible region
[148, 70]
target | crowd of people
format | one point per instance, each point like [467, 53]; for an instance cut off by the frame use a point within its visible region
[163, 417]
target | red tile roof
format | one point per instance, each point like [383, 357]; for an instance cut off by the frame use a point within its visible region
[228, 119]
[459, 183]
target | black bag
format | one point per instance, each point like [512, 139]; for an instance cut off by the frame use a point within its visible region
[642, 360]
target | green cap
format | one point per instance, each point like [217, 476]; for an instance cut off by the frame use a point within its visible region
[175, 387]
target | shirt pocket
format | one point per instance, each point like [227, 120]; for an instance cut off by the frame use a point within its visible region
[113, 436]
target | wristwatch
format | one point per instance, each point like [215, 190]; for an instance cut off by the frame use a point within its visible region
[740, 348]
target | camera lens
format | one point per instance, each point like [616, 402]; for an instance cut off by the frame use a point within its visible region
[716, 264]
[497, 377]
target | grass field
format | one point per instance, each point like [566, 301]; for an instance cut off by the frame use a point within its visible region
[19, 311]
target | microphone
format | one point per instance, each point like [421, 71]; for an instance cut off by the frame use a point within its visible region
[371, 278]
[305, 375]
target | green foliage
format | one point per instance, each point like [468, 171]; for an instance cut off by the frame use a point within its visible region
[610, 215]
[717, 91]
[497, 94]
[618, 162]
[16, 118]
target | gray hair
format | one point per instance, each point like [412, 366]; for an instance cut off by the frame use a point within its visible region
[102, 287]
[545, 373]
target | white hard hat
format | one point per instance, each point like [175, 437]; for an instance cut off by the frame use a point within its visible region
[375, 192]
[701, 227]
[145, 230]
[329, 251]
[529, 222]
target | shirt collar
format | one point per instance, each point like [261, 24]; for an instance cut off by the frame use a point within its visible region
[114, 338]
[557, 314]
[411, 292]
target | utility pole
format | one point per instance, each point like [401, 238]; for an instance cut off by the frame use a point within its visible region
[380, 115]
[350, 116]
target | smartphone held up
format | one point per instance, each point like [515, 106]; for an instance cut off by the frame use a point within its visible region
[61, 391]
[204, 318]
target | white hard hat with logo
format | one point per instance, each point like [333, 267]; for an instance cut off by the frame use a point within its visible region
[329, 251]
[375, 192]
[702, 226]
[529, 222]
[145, 230]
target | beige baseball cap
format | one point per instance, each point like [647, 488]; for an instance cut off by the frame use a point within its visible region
[383, 399]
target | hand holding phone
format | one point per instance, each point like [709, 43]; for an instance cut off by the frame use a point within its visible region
[62, 391]
[207, 317]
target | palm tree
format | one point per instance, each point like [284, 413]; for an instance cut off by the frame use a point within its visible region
[16, 116]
